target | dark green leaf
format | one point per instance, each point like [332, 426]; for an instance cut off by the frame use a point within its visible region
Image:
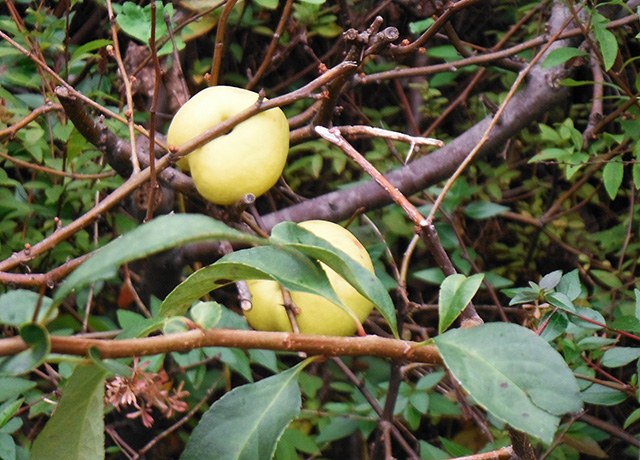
[292, 270]
[612, 175]
[76, 429]
[157, 235]
[247, 422]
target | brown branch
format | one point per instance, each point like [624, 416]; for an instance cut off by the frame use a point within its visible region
[370, 345]
[218, 51]
[56, 172]
[42, 279]
[13, 129]
[482, 58]
[540, 94]
[452, 8]
[267, 61]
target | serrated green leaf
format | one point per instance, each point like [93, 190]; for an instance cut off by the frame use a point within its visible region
[455, 294]
[247, 422]
[365, 282]
[612, 175]
[505, 366]
[76, 429]
[157, 235]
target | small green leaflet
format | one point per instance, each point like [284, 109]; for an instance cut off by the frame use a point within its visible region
[456, 292]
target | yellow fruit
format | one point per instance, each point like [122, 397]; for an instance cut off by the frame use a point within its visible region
[317, 314]
[249, 159]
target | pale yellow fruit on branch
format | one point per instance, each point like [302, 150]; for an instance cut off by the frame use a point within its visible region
[317, 314]
[249, 159]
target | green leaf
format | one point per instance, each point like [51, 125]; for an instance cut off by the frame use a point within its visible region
[268, 4]
[570, 285]
[8, 410]
[631, 419]
[11, 387]
[612, 175]
[550, 280]
[561, 301]
[603, 396]
[583, 314]
[37, 338]
[635, 171]
[607, 41]
[484, 209]
[207, 314]
[418, 27]
[294, 271]
[455, 294]
[514, 374]
[365, 282]
[619, 356]
[157, 235]
[17, 307]
[76, 429]
[135, 325]
[247, 422]
[85, 50]
[561, 55]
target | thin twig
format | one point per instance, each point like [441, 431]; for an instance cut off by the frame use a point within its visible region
[218, 52]
[267, 61]
[492, 124]
[127, 86]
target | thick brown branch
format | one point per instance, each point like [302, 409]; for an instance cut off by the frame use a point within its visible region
[370, 345]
